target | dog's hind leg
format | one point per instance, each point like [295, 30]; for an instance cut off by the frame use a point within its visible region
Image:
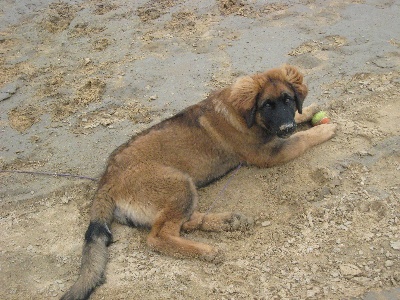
[179, 200]
[165, 238]
[227, 221]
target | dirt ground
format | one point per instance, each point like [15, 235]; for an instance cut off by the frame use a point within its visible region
[78, 78]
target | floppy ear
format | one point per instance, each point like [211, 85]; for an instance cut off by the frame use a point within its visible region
[250, 116]
[243, 98]
[295, 79]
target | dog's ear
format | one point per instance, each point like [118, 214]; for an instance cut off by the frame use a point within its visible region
[243, 98]
[250, 116]
[295, 79]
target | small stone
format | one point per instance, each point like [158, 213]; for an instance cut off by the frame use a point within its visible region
[364, 153]
[349, 270]
[154, 97]
[265, 223]
[335, 274]
[395, 245]
[389, 263]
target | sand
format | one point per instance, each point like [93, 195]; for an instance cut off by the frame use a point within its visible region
[78, 78]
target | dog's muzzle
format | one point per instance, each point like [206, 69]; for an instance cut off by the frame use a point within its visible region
[286, 130]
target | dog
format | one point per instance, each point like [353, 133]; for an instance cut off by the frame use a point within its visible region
[151, 180]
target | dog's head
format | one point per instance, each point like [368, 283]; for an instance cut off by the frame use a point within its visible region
[270, 99]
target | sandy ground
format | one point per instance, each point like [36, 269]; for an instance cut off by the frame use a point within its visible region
[79, 78]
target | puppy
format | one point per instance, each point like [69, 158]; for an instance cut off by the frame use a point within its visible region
[152, 179]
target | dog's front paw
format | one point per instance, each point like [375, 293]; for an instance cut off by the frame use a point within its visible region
[308, 113]
[312, 109]
[323, 132]
[326, 131]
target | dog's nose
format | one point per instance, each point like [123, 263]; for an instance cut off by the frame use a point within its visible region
[286, 129]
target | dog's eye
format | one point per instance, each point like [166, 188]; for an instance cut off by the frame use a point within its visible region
[268, 104]
[287, 99]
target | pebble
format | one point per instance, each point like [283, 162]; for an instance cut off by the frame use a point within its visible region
[335, 274]
[395, 245]
[265, 223]
[349, 270]
[389, 263]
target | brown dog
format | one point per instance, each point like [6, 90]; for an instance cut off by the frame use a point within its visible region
[151, 180]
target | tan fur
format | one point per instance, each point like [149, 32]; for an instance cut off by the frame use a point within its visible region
[152, 179]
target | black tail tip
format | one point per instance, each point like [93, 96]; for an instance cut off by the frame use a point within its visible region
[98, 230]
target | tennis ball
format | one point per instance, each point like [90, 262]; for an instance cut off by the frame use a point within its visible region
[320, 118]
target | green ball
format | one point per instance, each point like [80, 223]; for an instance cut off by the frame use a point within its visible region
[318, 117]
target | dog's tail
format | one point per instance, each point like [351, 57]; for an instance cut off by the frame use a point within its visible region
[95, 254]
